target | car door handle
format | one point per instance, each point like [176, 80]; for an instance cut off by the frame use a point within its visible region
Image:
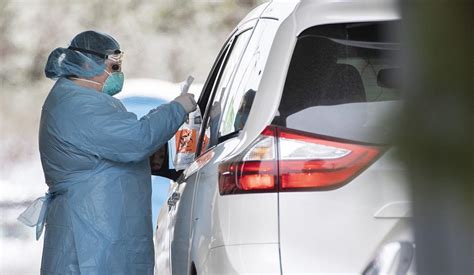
[174, 198]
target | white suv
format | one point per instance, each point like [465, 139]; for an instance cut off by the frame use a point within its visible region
[294, 172]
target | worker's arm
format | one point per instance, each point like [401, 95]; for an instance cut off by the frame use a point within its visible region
[104, 129]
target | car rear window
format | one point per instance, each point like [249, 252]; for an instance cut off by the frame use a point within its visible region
[343, 82]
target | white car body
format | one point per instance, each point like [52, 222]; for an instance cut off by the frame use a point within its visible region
[329, 232]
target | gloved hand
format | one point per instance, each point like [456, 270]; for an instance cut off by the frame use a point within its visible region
[187, 101]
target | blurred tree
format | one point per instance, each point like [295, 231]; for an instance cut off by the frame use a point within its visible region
[7, 46]
[202, 23]
[174, 15]
[156, 35]
[41, 44]
[437, 132]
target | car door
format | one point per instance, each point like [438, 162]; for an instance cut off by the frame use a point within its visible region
[233, 220]
[180, 202]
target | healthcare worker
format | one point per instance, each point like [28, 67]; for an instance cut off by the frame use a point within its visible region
[95, 159]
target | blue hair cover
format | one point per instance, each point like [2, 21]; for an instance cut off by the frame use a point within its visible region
[68, 62]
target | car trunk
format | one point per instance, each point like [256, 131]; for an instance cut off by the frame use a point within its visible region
[342, 192]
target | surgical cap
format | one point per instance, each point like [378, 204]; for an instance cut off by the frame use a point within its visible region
[72, 61]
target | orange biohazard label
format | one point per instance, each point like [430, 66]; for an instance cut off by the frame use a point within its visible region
[186, 141]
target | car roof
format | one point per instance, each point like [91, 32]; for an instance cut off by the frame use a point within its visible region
[308, 13]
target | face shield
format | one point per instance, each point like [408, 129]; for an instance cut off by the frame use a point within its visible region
[115, 56]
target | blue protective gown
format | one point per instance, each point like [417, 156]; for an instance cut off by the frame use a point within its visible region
[95, 160]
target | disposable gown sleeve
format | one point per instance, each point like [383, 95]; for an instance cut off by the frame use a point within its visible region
[106, 130]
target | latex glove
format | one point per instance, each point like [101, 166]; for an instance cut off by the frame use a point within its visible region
[187, 101]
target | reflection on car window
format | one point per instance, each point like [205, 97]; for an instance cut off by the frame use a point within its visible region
[247, 78]
[221, 89]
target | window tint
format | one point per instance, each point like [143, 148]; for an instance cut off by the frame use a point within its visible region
[247, 79]
[345, 77]
[213, 116]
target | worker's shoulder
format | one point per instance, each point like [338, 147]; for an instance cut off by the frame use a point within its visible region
[71, 98]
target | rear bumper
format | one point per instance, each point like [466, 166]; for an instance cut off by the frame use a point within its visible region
[242, 259]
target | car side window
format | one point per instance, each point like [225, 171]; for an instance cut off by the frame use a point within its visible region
[213, 115]
[247, 79]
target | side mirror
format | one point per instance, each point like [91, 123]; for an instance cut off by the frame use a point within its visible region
[159, 164]
[392, 259]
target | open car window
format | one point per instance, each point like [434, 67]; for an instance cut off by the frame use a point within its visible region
[208, 136]
[247, 78]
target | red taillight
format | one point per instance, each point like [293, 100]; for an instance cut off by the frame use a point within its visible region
[285, 160]
[253, 171]
[340, 163]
